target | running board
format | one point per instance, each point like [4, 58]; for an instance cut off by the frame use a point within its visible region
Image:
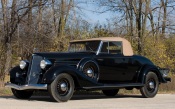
[110, 86]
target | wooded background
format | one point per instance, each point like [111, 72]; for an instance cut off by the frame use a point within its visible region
[48, 25]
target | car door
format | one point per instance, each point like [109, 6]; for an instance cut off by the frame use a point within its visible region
[114, 67]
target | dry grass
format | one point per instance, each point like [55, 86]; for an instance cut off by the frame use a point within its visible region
[7, 78]
[5, 92]
[168, 87]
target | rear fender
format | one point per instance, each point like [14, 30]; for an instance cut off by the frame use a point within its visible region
[147, 68]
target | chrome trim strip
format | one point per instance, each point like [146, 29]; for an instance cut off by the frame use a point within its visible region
[27, 86]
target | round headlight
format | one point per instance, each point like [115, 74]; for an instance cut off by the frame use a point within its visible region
[45, 63]
[23, 64]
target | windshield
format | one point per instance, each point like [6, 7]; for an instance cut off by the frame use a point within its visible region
[84, 46]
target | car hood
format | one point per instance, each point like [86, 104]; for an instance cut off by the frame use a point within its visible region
[63, 55]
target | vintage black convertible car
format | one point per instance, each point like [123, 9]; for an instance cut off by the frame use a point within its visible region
[106, 64]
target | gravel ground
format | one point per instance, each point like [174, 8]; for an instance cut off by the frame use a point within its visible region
[161, 101]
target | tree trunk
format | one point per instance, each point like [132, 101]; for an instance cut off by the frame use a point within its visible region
[8, 32]
[152, 22]
[5, 23]
[138, 14]
[62, 22]
[131, 21]
[158, 24]
[139, 20]
[40, 16]
[164, 4]
[6, 39]
[129, 17]
[145, 17]
[30, 3]
[54, 16]
[68, 10]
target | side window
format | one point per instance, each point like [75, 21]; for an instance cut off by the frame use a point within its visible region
[115, 47]
[104, 48]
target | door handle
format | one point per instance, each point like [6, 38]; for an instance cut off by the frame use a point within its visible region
[100, 59]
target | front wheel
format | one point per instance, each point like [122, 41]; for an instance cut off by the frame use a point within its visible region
[62, 88]
[150, 88]
[22, 94]
[111, 92]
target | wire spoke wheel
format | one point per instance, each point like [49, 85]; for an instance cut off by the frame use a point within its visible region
[150, 88]
[62, 88]
[151, 85]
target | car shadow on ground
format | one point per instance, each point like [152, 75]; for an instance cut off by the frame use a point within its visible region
[86, 97]
[75, 97]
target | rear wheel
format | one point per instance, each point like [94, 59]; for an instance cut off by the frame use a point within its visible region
[150, 88]
[22, 94]
[62, 88]
[111, 92]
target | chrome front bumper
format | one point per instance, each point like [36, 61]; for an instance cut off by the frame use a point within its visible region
[27, 86]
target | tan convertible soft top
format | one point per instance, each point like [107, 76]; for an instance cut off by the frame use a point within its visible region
[127, 49]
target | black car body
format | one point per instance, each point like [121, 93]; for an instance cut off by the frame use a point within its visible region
[106, 64]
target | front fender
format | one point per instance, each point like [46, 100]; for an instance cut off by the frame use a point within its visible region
[13, 71]
[147, 68]
[80, 78]
[17, 75]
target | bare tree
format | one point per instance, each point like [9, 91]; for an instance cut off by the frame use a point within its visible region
[40, 16]
[10, 24]
[30, 3]
[136, 14]
[6, 38]
[164, 6]
[54, 15]
[64, 14]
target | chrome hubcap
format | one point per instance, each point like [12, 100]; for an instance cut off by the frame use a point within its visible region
[151, 85]
[63, 86]
[90, 72]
